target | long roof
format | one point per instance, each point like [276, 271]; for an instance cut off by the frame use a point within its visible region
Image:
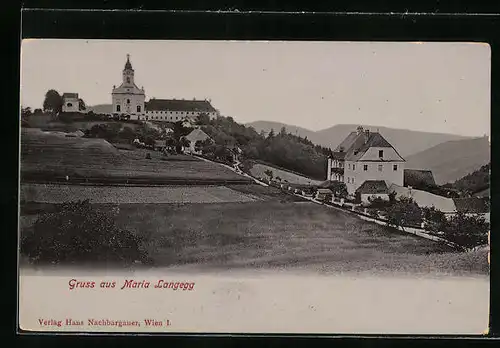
[179, 105]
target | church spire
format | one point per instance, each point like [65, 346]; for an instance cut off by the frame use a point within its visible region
[128, 65]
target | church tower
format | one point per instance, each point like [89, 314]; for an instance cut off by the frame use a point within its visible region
[128, 73]
[128, 99]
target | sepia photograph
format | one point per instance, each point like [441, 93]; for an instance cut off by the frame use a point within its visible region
[254, 186]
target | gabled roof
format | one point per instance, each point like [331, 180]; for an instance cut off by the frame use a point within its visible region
[418, 178]
[472, 205]
[179, 105]
[373, 187]
[70, 95]
[197, 134]
[357, 143]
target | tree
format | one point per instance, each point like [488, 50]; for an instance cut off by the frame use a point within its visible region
[269, 173]
[404, 212]
[81, 105]
[185, 142]
[127, 133]
[53, 102]
[203, 119]
[26, 112]
[435, 219]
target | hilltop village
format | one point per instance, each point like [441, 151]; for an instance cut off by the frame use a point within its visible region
[364, 172]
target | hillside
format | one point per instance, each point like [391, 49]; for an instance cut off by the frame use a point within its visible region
[475, 182]
[407, 142]
[101, 108]
[452, 160]
[266, 126]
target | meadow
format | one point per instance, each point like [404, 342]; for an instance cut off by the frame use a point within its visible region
[48, 154]
[275, 234]
[259, 169]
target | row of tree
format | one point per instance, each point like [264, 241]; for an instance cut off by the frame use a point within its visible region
[464, 229]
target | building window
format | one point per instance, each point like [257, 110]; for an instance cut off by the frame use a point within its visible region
[69, 105]
[348, 180]
[118, 108]
[380, 153]
[352, 180]
[365, 167]
[138, 108]
[128, 79]
[348, 165]
[380, 167]
[353, 167]
[128, 101]
[395, 167]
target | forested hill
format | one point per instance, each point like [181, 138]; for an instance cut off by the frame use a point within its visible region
[282, 149]
[474, 182]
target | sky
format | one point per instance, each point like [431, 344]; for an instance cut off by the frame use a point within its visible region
[438, 87]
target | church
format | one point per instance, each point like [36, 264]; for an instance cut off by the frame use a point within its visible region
[130, 101]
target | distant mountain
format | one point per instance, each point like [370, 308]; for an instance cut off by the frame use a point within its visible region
[266, 126]
[407, 142]
[101, 108]
[452, 160]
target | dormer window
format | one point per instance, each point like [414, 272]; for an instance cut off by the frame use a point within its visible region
[380, 153]
[128, 79]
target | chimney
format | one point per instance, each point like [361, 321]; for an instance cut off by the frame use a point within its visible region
[367, 135]
[359, 129]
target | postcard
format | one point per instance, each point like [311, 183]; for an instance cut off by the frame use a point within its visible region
[254, 187]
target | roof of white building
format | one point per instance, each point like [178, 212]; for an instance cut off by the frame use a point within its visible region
[356, 144]
[70, 95]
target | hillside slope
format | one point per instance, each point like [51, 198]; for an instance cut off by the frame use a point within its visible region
[266, 126]
[101, 108]
[407, 142]
[452, 160]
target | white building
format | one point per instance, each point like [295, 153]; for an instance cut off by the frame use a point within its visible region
[365, 156]
[128, 99]
[70, 102]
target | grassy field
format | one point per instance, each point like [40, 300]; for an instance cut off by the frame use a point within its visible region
[57, 155]
[271, 234]
[258, 170]
[122, 194]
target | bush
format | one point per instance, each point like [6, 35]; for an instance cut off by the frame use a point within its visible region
[378, 203]
[76, 232]
[467, 230]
